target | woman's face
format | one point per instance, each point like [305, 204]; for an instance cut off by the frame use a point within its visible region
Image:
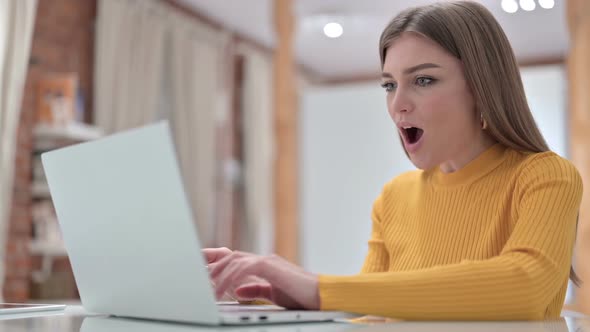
[430, 101]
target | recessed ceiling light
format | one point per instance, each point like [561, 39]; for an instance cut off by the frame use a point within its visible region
[547, 4]
[333, 30]
[527, 5]
[509, 6]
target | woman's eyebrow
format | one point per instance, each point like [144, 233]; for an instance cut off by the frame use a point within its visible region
[412, 69]
[420, 66]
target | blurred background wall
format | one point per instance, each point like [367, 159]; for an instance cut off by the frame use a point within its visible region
[281, 126]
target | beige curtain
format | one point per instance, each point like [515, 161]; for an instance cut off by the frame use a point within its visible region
[258, 138]
[198, 96]
[153, 62]
[128, 63]
[17, 18]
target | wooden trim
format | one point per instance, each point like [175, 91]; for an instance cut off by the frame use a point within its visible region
[578, 66]
[286, 117]
[368, 78]
[544, 61]
[309, 74]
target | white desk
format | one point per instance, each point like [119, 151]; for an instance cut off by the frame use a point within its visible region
[75, 319]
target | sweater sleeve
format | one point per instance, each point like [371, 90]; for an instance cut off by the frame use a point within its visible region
[518, 284]
[377, 259]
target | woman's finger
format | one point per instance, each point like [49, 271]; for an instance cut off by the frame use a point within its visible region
[226, 276]
[237, 271]
[214, 254]
[254, 291]
[220, 265]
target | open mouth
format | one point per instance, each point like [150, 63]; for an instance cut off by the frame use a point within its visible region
[412, 134]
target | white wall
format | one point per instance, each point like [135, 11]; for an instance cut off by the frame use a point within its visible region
[546, 90]
[349, 149]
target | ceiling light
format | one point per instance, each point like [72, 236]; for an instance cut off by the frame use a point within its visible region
[509, 6]
[547, 4]
[333, 30]
[527, 5]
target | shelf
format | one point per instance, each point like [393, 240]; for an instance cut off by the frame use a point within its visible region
[48, 251]
[40, 190]
[44, 248]
[49, 137]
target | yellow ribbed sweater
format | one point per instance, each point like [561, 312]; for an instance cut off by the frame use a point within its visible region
[491, 241]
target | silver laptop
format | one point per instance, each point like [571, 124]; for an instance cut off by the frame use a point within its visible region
[117, 324]
[129, 233]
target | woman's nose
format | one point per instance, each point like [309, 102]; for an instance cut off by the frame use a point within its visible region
[401, 102]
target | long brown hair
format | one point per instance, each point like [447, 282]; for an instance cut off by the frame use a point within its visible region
[470, 32]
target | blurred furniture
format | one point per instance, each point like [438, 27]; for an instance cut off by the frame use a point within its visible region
[46, 244]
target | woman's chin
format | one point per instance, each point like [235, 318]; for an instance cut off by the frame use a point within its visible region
[422, 164]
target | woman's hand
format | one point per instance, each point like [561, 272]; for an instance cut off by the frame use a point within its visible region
[277, 280]
[213, 255]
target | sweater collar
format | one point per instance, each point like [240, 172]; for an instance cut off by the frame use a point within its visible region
[478, 167]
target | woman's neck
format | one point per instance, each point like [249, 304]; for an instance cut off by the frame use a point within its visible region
[485, 142]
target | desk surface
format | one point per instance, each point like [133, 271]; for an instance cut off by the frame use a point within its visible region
[75, 319]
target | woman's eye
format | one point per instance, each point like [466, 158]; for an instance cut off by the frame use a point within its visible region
[389, 86]
[424, 81]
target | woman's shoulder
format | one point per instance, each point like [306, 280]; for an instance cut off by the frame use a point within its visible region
[548, 160]
[546, 165]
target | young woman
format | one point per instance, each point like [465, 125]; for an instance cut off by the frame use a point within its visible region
[485, 229]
